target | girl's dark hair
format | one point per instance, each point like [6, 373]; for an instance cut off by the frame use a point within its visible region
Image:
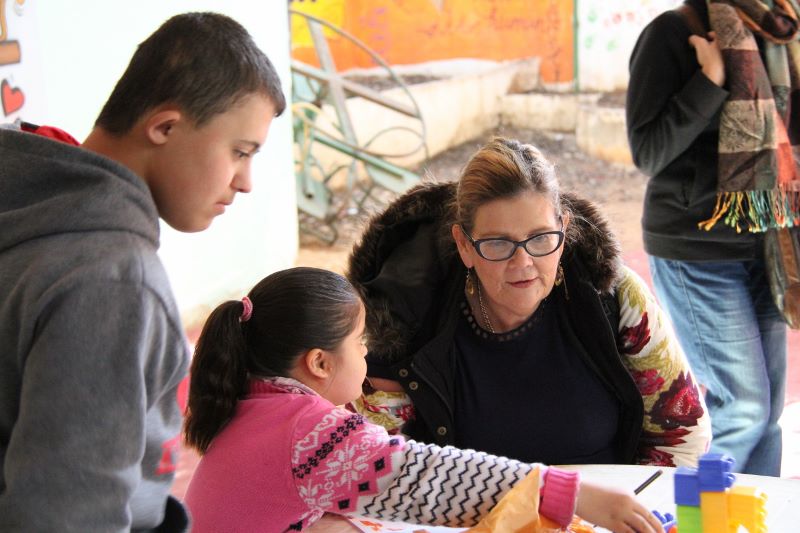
[294, 311]
[204, 63]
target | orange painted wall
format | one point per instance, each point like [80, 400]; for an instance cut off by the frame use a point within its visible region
[414, 31]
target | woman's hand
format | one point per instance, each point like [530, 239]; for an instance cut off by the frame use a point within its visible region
[385, 385]
[615, 509]
[709, 56]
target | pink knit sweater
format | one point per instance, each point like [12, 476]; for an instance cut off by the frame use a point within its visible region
[289, 455]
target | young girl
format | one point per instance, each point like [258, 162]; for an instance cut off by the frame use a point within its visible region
[267, 376]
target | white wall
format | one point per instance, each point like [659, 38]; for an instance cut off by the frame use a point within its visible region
[74, 54]
[607, 32]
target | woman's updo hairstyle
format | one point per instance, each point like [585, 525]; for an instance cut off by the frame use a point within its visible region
[503, 168]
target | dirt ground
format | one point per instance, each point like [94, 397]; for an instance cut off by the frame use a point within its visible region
[617, 188]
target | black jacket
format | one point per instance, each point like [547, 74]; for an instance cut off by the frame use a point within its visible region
[411, 278]
[672, 113]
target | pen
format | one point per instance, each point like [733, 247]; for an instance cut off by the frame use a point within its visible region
[647, 481]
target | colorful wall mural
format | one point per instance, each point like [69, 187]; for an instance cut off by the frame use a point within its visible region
[416, 31]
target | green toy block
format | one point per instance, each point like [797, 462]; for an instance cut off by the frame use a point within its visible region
[690, 519]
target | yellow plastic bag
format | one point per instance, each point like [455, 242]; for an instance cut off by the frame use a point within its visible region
[518, 512]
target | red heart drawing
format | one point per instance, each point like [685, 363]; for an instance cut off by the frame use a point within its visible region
[13, 99]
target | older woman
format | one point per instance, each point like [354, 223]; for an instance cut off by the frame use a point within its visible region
[500, 318]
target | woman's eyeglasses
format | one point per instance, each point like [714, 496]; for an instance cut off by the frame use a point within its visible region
[499, 249]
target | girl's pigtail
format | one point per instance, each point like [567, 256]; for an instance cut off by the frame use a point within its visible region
[218, 376]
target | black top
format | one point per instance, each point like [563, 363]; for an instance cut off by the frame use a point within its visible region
[518, 384]
[673, 128]
[411, 278]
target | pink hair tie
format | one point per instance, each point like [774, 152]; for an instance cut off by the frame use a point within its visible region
[247, 309]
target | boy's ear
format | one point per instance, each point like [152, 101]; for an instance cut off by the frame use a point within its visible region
[158, 126]
[317, 363]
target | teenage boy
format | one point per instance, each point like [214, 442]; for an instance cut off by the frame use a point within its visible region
[91, 346]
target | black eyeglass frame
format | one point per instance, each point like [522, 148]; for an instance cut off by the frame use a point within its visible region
[517, 244]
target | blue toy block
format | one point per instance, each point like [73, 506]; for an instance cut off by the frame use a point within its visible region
[714, 472]
[667, 521]
[687, 487]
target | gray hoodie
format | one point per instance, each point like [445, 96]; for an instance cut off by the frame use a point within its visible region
[91, 347]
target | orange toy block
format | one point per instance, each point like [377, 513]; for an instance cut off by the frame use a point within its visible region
[713, 512]
[747, 508]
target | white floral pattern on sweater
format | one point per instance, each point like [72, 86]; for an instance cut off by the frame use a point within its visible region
[346, 464]
[289, 455]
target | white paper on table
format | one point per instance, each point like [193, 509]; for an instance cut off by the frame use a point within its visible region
[373, 525]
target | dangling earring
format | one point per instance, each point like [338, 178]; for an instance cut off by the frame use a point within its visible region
[469, 285]
[560, 280]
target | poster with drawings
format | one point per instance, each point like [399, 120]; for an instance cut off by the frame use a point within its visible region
[607, 31]
[20, 73]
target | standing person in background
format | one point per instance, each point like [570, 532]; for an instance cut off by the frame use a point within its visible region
[91, 345]
[707, 127]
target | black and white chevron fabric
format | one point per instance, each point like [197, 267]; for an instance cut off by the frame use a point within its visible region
[444, 486]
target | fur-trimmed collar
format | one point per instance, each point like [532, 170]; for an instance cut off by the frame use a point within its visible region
[415, 229]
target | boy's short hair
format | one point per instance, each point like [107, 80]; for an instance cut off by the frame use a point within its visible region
[202, 62]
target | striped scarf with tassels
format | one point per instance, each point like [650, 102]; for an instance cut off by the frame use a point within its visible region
[759, 133]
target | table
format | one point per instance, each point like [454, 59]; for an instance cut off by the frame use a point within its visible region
[783, 495]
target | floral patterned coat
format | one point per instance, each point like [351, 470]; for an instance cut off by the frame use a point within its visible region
[411, 280]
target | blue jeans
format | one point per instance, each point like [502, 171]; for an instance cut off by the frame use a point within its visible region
[735, 340]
